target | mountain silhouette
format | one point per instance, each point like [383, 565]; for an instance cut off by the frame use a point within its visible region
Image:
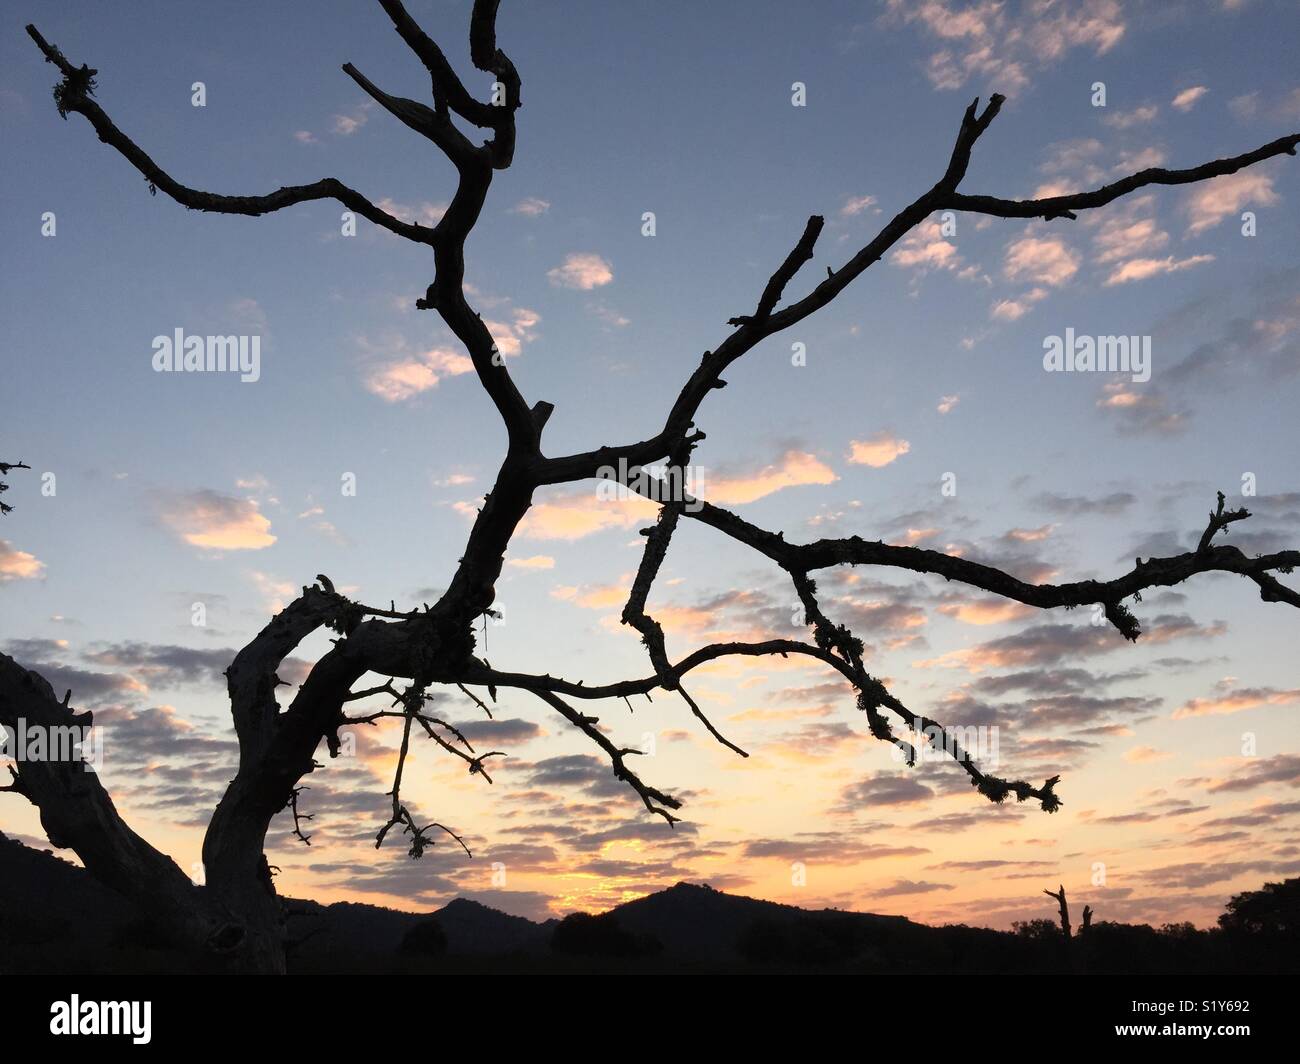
[55, 918]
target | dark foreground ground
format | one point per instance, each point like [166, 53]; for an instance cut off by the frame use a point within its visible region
[54, 918]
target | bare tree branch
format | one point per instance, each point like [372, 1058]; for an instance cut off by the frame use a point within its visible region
[1066, 206]
[654, 800]
[1154, 572]
[73, 95]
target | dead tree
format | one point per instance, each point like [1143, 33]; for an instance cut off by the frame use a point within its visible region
[1074, 960]
[237, 917]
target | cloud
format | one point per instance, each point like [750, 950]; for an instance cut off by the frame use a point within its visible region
[276, 594]
[531, 207]
[998, 43]
[1141, 411]
[1141, 269]
[1040, 260]
[510, 336]
[829, 848]
[925, 248]
[882, 789]
[1262, 342]
[582, 513]
[985, 611]
[537, 561]
[856, 205]
[573, 516]
[512, 730]
[1258, 772]
[1128, 231]
[424, 213]
[344, 125]
[30, 649]
[1186, 99]
[1145, 755]
[879, 450]
[87, 685]
[1047, 644]
[17, 564]
[1015, 309]
[395, 382]
[793, 469]
[1233, 699]
[1077, 505]
[609, 315]
[1214, 200]
[583, 271]
[947, 402]
[214, 521]
[1139, 116]
[594, 596]
[165, 665]
[908, 886]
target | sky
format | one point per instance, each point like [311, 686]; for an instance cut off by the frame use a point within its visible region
[167, 516]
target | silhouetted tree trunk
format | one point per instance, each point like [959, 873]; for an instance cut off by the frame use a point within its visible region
[1073, 951]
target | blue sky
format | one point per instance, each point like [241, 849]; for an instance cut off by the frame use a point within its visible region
[929, 364]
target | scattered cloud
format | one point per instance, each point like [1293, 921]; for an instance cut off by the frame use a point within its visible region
[925, 248]
[1138, 116]
[1186, 99]
[1141, 269]
[397, 381]
[1229, 698]
[793, 469]
[1141, 410]
[1211, 202]
[579, 514]
[583, 271]
[214, 521]
[344, 125]
[856, 205]
[424, 213]
[18, 564]
[531, 207]
[1145, 755]
[997, 44]
[1040, 260]
[537, 561]
[879, 450]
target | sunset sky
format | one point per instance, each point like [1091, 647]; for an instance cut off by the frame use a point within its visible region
[1178, 755]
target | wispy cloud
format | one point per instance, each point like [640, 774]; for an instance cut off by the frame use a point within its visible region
[1186, 99]
[531, 207]
[1210, 203]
